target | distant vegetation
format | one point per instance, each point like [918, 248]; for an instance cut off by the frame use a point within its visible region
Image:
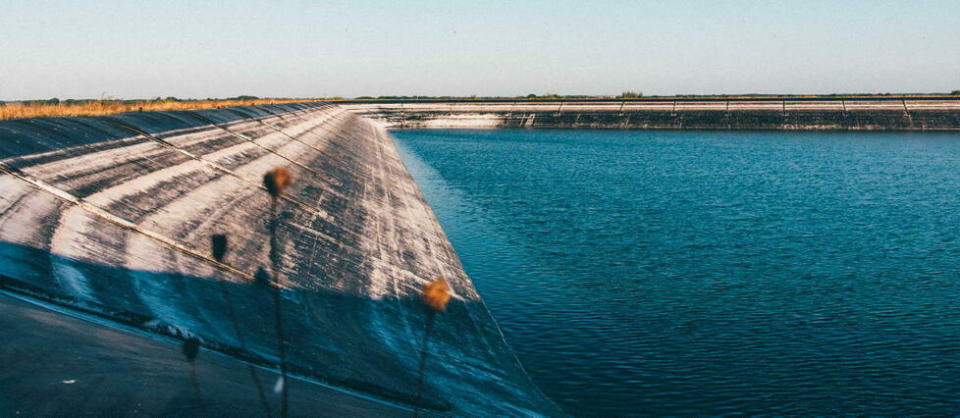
[85, 107]
[70, 107]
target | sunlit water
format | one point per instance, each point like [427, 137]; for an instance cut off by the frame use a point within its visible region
[638, 272]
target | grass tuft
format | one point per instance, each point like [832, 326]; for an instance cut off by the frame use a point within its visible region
[277, 180]
[436, 294]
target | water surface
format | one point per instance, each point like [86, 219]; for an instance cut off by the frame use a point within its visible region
[639, 272]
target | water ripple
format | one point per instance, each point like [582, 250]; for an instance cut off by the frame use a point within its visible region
[689, 273]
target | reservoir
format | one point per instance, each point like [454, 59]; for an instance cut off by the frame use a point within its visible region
[699, 272]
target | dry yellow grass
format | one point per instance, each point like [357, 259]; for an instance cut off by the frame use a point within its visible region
[436, 294]
[109, 107]
[277, 180]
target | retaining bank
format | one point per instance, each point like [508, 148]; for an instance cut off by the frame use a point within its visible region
[113, 216]
[939, 114]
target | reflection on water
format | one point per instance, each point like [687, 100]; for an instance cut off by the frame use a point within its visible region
[712, 272]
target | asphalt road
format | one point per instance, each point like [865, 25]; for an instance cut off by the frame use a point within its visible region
[55, 364]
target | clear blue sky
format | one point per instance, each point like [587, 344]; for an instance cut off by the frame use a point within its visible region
[195, 48]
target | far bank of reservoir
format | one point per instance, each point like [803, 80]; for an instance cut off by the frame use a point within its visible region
[819, 113]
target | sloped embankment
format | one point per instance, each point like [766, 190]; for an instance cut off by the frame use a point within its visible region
[114, 215]
[837, 114]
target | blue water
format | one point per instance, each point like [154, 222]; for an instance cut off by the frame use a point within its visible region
[650, 272]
